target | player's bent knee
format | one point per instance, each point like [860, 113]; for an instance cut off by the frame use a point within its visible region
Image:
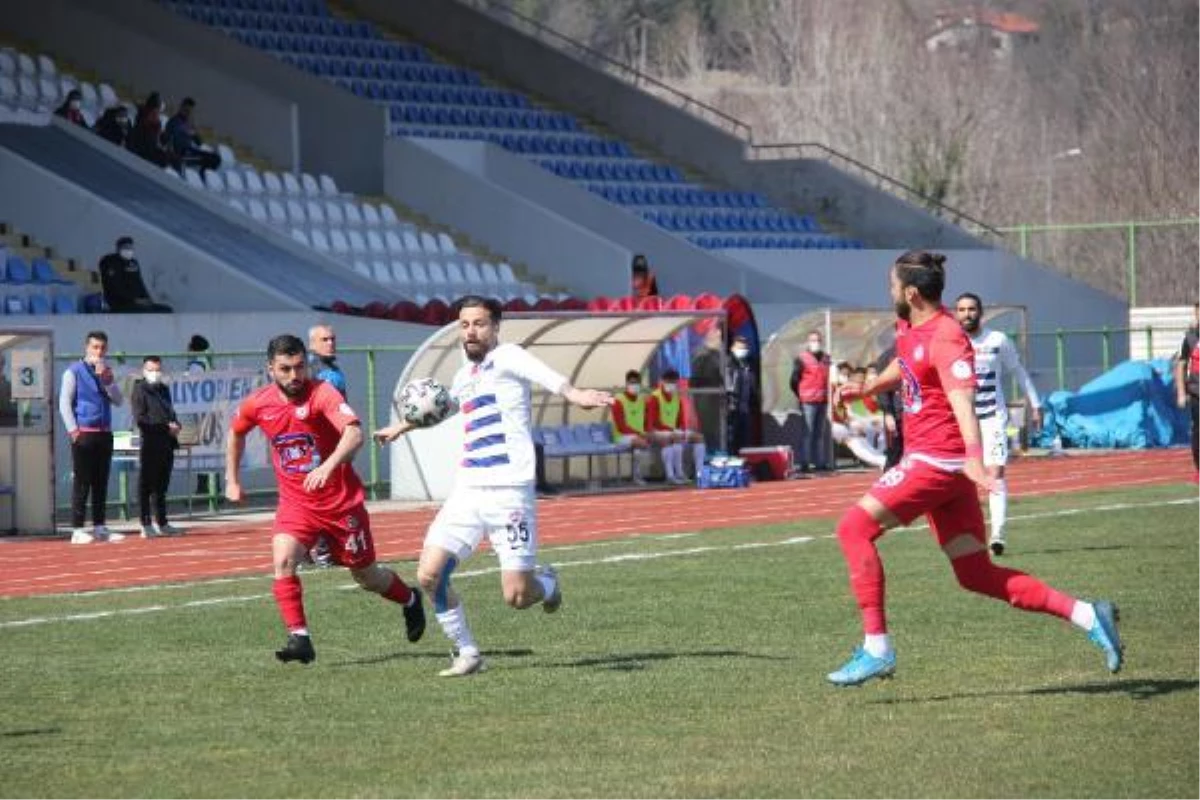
[429, 579]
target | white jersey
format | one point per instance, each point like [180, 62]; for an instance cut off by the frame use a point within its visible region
[493, 397]
[996, 360]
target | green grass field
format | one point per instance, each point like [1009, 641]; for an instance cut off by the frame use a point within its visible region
[679, 666]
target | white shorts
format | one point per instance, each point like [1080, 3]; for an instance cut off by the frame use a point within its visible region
[994, 433]
[507, 514]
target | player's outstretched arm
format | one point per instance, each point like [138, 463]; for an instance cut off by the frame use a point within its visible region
[235, 445]
[962, 402]
[392, 432]
[883, 382]
[587, 398]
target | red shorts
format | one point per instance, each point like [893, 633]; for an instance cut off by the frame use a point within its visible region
[949, 499]
[349, 532]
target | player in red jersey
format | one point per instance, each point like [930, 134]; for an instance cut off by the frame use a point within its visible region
[943, 462]
[313, 435]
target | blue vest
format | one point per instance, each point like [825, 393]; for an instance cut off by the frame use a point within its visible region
[92, 407]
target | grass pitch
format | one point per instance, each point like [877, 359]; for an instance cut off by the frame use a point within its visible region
[687, 665]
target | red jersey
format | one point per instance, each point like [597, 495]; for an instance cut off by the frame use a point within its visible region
[302, 434]
[935, 357]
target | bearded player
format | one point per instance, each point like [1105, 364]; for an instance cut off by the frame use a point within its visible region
[938, 476]
[313, 435]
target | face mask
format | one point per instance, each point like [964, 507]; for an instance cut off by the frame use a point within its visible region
[740, 352]
[843, 378]
[670, 388]
[73, 105]
[152, 377]
[633, 388]
[126, 253]
[814, 346]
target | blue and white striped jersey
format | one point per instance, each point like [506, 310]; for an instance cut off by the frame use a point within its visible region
[996, 360]
[493, 399]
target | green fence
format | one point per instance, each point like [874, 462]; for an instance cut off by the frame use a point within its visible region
[371, 373]
[1149, 262]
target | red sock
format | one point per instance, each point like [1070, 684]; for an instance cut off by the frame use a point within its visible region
[398, 592]
[978, 573]
[289, 596]
[857, 532]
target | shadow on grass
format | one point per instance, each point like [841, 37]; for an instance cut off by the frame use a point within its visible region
[631, 662]
[1134, 688]
[1097, 548]
[30, 732]
[425, 655]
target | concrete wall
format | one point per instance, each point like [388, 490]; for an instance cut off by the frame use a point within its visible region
[237, 333]
[859, 279]
[292, 118]
[79, 224]
[502, 219]
[576, 220]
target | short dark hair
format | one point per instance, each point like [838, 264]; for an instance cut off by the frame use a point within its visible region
[155, 359]
[124, 240]
[188, 103]
[197, 344]
[640, 264]
[970, 296]
[670, 374]
[924, 271]
[841, 365]
[99, 336]
[633, 375]
[818, 332]
[285, 344]
[477, 301]
[741, 338]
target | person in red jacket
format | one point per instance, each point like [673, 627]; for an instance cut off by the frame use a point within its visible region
[673, 423]
[629, 422]
[810, 383]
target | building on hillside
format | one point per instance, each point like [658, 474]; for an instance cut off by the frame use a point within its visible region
[968, 30]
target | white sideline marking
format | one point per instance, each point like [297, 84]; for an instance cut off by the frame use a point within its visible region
[613, 559]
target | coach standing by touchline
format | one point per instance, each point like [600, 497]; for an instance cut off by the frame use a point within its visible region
[85, 402]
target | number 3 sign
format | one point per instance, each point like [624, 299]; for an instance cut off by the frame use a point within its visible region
[28, 374]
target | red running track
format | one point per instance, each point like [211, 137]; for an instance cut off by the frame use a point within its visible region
[50, 566]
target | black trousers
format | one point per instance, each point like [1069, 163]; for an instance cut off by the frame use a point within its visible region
[1194, 408]
[156, 459]
[91, 461]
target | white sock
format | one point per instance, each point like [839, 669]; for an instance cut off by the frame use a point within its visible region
[639, 462]
[877, 644]
[699, 453]
[1083, 615]
[299, 632]
[547, 583]
[454, 625]
[668, 459]
[677, 457]
[998, 505]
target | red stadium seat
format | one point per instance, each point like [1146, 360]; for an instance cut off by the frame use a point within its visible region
[651, 303]
[599, 304]
[546, 304]
[573, 304]
[435, 312]
[516, 304]
[405, 311]
[680, 302]
[625, 303]
[376, 309]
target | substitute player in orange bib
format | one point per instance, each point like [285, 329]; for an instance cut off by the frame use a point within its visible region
[942, 466]
[313, 435]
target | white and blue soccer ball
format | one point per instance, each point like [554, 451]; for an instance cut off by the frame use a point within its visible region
[423, 402]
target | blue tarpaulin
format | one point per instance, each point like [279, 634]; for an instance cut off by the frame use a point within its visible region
[1130, 406]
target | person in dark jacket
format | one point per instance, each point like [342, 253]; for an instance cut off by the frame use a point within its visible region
[181, 139]
[155, 417]
[114, 125]
[121, 279]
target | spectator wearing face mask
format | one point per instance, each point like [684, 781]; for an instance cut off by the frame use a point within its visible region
[629, 422]
[810, 383]
[146, 140]
[114, 125]
[672, 422]
[182, 140]
[159, 427]
[643, 281]
[741, 391]
[70, 109]
[121, 279]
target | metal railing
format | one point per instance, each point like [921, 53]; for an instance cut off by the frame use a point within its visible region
[698, 108]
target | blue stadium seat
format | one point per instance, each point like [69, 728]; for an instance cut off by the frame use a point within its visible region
[17, 271]
[43, 273]
[39, 304]
[13, 304]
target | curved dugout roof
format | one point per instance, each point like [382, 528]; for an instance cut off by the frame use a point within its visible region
[592, 349]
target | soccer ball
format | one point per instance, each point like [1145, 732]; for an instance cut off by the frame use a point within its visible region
[423, 402]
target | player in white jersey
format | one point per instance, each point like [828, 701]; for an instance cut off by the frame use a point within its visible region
[996, 360]
[494, 487]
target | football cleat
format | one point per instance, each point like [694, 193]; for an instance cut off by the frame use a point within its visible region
[464, 664]
[1104, 634]
[298, 648]
[414, 617]
[862, 667]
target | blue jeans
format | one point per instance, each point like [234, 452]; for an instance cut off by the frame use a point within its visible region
[814, 448]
